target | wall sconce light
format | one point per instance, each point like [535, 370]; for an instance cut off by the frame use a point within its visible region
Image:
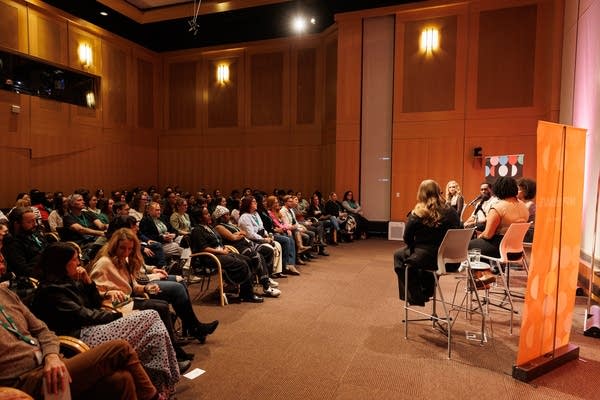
[84, 51]
[430, 41]
[222, 74]
[90, 99]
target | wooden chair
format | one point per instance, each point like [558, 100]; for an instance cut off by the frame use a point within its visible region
[8, 393]
[210, 261]
[71, 346]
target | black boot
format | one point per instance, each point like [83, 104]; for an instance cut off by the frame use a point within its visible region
[182, 355]
[202, 330]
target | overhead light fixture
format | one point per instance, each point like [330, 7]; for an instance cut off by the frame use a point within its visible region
[84, 52]
[222, 74]
[430, 41]
[193, 23]
[103, 13]
[299, 24]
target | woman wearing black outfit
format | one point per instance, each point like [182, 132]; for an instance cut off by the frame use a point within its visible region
[424, 231]
[235, 268]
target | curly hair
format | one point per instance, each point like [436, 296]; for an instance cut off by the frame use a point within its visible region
[447, 192]
[505, 187]
[528, 187]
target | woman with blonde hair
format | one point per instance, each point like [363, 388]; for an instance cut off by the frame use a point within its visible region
[425, 229]
[115, 270]
[453, 196]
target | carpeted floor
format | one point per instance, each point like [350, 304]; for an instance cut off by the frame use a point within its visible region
[336, 332]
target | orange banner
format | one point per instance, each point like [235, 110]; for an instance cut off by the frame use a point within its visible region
[550, 297]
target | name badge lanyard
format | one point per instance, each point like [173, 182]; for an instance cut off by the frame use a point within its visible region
[10, 326]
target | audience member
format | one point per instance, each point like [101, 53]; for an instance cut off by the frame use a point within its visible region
[172, 288]
[180, 220]
[334, 208]
[115, 270]
[29, 356]
[68, 301]
[55, 219]
[329, 222]
[38, 201]
[138, 206]
[236, 270]
[281, 234]
[22, 250]
[81, 227]
[354, 209]
[156, 226]
[259, 254]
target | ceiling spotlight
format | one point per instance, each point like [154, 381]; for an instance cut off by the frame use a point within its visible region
[103, 13]
[313, 20]
[299, 24]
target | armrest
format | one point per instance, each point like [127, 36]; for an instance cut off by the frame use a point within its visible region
[9, 393]
[232, 249]
[71, 346]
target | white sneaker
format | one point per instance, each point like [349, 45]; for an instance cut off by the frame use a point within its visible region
[273, 283]
[271, 292]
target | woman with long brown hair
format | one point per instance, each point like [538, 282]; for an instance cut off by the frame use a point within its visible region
[425, 229]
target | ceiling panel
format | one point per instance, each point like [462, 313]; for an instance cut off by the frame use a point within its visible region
[164, 25]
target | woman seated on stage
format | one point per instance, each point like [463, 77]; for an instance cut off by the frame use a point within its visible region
[425, 229]
[527, 191]
[507, 210]
[453, 196]
[68, 301]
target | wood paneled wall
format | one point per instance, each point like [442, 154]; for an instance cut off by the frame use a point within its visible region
[265, 128]
[57, 146]
[495, 76]
[290, 116]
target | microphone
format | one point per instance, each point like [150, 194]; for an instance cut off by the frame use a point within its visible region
[476, 199]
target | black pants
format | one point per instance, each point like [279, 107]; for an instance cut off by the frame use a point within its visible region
[421, 283]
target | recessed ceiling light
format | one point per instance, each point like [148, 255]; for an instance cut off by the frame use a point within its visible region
[299, 24]
[103, 13]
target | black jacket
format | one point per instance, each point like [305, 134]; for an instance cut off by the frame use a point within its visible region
[22, 253]
[423, 241]
[148, 228]
[68, 306]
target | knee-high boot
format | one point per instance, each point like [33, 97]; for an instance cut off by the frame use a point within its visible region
[191, 323]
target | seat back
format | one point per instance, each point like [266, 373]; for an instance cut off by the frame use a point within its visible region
[512, 242]
[454, 248]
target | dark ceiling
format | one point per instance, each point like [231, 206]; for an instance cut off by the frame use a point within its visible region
[243, 25]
